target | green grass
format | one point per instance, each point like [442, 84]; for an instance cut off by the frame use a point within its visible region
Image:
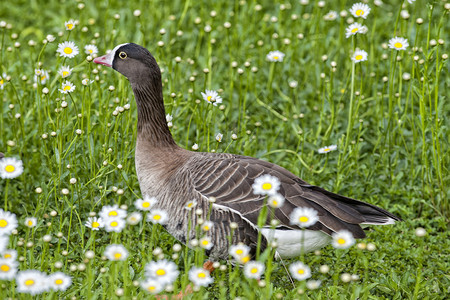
[392, 134]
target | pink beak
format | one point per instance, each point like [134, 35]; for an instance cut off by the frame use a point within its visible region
[103, 60]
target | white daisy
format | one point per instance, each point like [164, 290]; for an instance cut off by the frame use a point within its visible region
[360, 10]
[355, 28]
[398, 43]
[219, 137]
[211, 97]
[67, 87]
[10, 167]
[206, 226]
[300, 271]
[266, 185]
[190, 204]
[86, 81]
[157, 216]
[342, 239]
[4, 241]
[254, 269]
[8, 222]
[275, 201]
[41, 76]
[275, 56]
[2, 81]
[358, 56]
[65, 71]
[8, 269]
[313, 284]
[31, 282]
[327, 149]
[116, 252]
[112, 211]
[67, 49]
[94, 223]
[145, 204]
[331, 16]
[239, 251]
[152, 286]
[59, 281]
[134, 218]
[200, 276]
[304, 216]
[30, 222]
[169, 118]
[9, 254]
[90, 49]
[69, 24]
[114, 224]
[206, 243]
[164, 271]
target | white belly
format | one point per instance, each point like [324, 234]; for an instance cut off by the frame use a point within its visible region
[291, 243]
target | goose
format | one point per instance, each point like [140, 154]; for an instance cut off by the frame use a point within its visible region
[221, 183]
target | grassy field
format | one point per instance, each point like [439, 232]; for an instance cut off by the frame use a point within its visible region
[388, 116]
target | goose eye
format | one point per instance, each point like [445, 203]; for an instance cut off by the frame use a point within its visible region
[122, 55]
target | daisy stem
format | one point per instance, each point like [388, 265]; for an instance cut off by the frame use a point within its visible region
[6, 194]
[350, 112]
[269, 82]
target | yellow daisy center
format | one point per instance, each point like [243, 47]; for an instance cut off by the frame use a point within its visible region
[43, 77]
[245, 259]
[201, 275]
[114, 224]
[90, 50]
[65, 73]
[398, 45]
[151, 288]
[7, 256]
[275, 202]
[354, 30]
[190, 204]
[239, 252]
[10, 168]
[3, 223]
[209, 98]
[69, 26]
[95, 224]
[267, 186]
[4, 268]
[160, 272]
[67, 88]
[341, 241]
[275, 57]
[254, 270]
[205, 242]
[58, 281]
[145, 204]
[30, 223]
[117, 255]
[301, 271]
[357, 57]
[113, 213]
[156, 217]
[68, 50]
[29, 282]
[206, 227]
[1, 81]
[359, 12]
[303, 219]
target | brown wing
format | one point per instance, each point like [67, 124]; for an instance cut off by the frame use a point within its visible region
[229, 179]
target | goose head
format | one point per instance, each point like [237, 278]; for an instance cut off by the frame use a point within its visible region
[133, 61]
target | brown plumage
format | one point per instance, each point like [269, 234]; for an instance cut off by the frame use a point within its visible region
[174, 176]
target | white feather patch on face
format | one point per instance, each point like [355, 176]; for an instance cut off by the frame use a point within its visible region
[110, 56]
